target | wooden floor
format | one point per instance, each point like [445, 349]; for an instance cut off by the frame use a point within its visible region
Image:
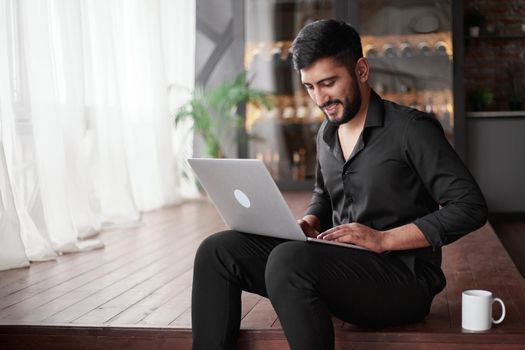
[510, 229]
[135, 294]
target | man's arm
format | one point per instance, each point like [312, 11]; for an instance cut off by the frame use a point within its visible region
[447, 179]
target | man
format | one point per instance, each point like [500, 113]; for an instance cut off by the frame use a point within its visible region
[383, 172]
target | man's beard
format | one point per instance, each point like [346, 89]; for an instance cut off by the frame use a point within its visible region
[351, 107]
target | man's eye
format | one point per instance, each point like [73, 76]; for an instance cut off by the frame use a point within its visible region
[328, 84]
[308, 87]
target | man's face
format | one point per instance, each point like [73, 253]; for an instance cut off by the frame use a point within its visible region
[333, 88]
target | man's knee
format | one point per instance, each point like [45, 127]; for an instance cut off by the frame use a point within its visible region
[289, 265]
[214, 249]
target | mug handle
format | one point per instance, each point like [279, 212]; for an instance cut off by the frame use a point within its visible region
[502, 310]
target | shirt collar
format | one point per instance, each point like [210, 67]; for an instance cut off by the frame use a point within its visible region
[376, 112]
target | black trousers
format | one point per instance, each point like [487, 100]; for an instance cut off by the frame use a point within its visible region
[306, 283]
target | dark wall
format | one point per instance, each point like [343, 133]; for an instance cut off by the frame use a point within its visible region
[496, 59]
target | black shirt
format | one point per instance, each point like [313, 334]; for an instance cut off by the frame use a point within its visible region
[402, 170]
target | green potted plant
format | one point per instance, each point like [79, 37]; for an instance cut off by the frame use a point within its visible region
[214, 111]
[473, 20]
[480, 99]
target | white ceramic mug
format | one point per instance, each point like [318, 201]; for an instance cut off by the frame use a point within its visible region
[476, 310]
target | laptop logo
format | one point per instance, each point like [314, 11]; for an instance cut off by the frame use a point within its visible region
[242, 198]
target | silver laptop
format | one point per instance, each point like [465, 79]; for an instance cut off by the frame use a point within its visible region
[248, 199]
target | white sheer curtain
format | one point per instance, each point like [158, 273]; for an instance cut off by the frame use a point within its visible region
[86, 137]
[180, 72]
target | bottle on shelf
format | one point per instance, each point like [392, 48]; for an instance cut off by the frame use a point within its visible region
[299, 165]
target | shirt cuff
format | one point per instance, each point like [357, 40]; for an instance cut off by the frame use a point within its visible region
[432, 231]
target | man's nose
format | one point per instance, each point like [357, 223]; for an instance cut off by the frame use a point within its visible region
[320, 97]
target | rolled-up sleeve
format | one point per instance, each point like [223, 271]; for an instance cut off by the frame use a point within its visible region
[448, 181]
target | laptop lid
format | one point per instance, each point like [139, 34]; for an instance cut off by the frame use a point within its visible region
[246, 196]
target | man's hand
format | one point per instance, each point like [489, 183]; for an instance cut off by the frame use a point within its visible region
[310, 225]
[357, 234]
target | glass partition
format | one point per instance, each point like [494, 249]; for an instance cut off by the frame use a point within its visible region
[407, 42]
[284, 137]
[409, 47]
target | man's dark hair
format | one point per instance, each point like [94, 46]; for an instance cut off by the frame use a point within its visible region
[327, 38]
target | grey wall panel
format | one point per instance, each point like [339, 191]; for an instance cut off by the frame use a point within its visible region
[219, 53]
[496, 157]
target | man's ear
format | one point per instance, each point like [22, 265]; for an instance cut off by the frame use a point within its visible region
[362, 69]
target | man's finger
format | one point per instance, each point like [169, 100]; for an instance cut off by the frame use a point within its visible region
[328, 232]
[334, 235]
